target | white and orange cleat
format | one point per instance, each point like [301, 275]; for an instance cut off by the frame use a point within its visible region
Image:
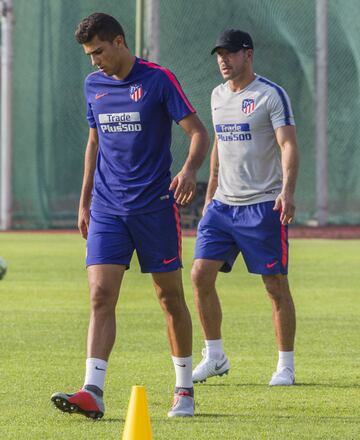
[184, 405]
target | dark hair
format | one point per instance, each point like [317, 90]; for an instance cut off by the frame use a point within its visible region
[104, 26]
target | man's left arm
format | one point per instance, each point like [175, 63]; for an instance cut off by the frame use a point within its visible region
[286, 138]
[184, 183]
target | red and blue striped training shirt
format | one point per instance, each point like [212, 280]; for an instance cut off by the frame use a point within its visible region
[133, 118]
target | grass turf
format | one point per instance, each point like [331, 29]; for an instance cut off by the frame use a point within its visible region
[44, 316]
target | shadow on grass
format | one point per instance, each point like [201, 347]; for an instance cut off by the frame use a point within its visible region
[234, 385]
[326, 385]
[353, 419]
[296, 385]
[83, 420]
[205, 415]
[249, 417]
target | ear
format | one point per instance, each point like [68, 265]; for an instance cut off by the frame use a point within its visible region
[250, 54]
[119, 41]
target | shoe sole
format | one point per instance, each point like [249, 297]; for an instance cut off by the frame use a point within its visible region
[225, 373]
[282, 384]
[180, 415]
[65, 406]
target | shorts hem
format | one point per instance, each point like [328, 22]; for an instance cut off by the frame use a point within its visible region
[161, 269]
[225, 268]
[265, 272]
[196, 257]
[98, 263]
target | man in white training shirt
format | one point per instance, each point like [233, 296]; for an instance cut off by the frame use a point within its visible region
[249, 201]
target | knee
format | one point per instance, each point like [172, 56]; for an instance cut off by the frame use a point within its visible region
[277, 287]
[100, 299]
[201, 278]
[171, 302]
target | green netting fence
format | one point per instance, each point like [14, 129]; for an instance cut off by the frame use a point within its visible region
[49, 125]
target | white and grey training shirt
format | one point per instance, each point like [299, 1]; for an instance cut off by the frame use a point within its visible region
[249, 156]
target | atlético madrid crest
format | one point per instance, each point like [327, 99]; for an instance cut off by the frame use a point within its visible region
[248, 106]
[136, 92]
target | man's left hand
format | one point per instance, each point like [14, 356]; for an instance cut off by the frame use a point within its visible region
[286, 204]
[184, 185]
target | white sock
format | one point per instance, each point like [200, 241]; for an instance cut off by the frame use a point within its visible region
[95, 372]
[286, 360]
[183, 371]
[214, 348]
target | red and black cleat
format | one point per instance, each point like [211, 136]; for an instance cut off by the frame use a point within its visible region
[83, 402]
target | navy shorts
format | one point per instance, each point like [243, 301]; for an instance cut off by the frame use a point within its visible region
[156, 237]
[255, 231]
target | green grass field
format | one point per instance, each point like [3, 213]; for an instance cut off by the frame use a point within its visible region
[44, 315]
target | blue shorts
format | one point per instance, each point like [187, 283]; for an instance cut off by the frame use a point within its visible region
[254, 230]
[156, 237]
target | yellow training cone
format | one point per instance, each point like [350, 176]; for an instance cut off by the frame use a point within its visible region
[137, 424]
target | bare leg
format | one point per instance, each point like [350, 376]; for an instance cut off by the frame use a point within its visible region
[104, 283]
[170, 293]
[203, 275]
[283, 310]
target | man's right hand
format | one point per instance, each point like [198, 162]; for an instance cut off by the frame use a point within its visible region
[83, 221]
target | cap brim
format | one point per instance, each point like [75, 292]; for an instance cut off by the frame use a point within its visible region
[228, 47]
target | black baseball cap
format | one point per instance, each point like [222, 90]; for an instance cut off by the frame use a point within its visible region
[233, 40]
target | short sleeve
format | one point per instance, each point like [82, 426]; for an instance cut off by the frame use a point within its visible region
[89, 113]
[279, 107]
[177, 104]
[212, 105]
[90, 116]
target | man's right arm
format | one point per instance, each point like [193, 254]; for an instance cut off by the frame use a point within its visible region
[88, 179]
[214, 172]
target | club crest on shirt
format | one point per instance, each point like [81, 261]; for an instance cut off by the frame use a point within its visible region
[136, 92]
[248, 105]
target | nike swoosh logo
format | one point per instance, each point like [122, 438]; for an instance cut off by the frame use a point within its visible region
[97, 368]
[218, 367]
[181, 365]
[100, 95]
[270, 265]
[169, 261]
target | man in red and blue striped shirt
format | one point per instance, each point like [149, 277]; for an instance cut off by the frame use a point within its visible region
[129, 200]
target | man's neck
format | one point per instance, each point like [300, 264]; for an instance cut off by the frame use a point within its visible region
[238, 84]
[126, 67]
